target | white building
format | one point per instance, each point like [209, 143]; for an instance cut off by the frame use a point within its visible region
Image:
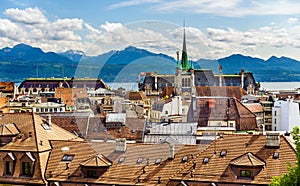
[285, 115]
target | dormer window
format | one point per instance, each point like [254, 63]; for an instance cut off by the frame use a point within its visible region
[95, 166]
[9, 164]
[245, 173]
[27, 164]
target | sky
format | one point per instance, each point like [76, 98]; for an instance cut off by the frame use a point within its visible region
[214, 29]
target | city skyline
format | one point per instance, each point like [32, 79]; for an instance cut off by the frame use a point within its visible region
[214, 29]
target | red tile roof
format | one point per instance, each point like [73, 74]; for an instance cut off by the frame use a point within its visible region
[238, 147]
[225, 91]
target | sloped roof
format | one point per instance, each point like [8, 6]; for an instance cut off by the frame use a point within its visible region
[33, 136]
[238, 147]
[135, 95]
[215, 108]
[254, 107]
[247, 159]
[225, 91]
[7, 86]
[9, 130]
[97, 161]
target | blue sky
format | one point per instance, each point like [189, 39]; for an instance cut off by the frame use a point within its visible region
[214, 29]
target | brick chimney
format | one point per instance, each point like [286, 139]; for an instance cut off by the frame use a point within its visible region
[272, 140]
[121, 145]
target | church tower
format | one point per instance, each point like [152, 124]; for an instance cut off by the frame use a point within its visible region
[184, 77]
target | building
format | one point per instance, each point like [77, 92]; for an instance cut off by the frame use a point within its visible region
[46, 86]
[239, 160]
[187, 78]
[25, 147]
[220, 115]
[285, 115]
[139, 102]
[73, 98]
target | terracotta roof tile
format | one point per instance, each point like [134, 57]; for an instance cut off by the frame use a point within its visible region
[218, 169]
[225, 91]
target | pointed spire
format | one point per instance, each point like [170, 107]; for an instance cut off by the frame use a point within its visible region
[184, 57]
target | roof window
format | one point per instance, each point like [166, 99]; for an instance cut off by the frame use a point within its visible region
[205, 160]
[276, 155]
[139, 160]
[67, 157]
[184, 159]
[223, 153]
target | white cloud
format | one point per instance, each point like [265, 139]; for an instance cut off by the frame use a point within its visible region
[131, 3]
[26, 16]
[292, 20]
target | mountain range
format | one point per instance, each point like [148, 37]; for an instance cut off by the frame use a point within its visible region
[24, 61]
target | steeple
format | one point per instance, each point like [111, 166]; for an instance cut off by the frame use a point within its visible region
[184, 57]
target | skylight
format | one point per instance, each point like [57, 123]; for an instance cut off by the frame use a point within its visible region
[184, 159]
[158, 160]
[223, 153]
[46, 126]
[139, 160]
[276, 155]
[205, 160]
[122, 159]
[67, 157]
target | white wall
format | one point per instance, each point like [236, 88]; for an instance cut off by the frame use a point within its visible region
[285, 115]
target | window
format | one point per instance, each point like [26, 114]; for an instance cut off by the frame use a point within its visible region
[91, 174]
[276, 155]
[67, 157]
[27, 164]
[223, 153]
[245, 173]
[27, 168]
[184, 159]
[139, 160]
[158, 161]
[205, 160]
[9, 168]
[122, 159]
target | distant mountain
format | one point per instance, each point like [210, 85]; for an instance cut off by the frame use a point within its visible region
[26, 53]
[24, 61]
[74, 55]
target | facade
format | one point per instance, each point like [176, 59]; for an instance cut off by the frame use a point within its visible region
[285, 115]
[37, 86]
[186, 79]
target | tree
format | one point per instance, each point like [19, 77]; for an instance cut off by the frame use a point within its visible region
[293, 176]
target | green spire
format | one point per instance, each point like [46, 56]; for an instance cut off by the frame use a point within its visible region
[184, 57]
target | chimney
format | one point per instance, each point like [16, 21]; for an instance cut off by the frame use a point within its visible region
[48, 120]
[121, 145]
[171, 152]
[272, 140]
[242, 77]
[261, 129]
[220, 76]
